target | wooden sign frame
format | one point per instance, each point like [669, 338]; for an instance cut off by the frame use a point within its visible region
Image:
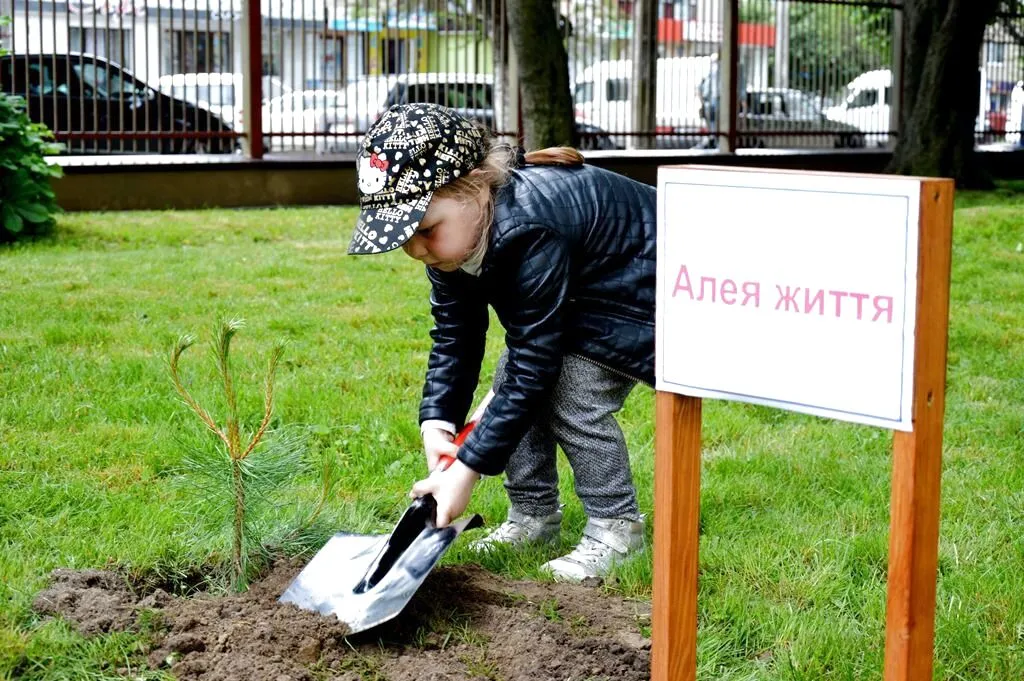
[914, 506]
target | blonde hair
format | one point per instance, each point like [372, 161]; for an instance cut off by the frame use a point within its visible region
[492, 173]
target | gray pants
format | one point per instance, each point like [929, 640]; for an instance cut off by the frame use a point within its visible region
[579, 416]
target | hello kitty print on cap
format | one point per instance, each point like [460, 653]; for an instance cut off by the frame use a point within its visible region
[408, 153]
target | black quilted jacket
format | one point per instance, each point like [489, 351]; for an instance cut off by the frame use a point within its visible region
[569, 269]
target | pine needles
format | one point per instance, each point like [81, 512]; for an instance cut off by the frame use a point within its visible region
[238, 476]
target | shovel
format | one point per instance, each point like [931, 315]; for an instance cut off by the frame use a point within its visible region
[366, 580]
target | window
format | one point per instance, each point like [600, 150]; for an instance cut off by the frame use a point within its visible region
[103, 81]
[36, 78]
[584, 93]
[888, 95]
[199, 51]
[40, 80]
[427, 93]
[114, 44]
[864, 98]
[995, 52]
[453, 95]
[396, 56]
[472, 96]
[336, 61]
[617, 90]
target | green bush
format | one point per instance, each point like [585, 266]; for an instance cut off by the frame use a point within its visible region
[27, 203]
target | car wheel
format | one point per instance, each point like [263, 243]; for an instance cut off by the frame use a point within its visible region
[849, 140]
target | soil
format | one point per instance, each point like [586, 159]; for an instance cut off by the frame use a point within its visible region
[485, 628]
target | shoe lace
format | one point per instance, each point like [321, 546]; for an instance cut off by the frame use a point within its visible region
[589, 552]
[508, 531]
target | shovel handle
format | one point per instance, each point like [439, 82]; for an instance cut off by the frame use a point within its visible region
[445, 460]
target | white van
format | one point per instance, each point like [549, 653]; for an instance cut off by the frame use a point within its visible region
[602, 96]
[866, 105]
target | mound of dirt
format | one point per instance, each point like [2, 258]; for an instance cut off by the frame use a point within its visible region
[464, 623]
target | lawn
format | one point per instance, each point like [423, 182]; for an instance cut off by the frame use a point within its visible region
[794, 509]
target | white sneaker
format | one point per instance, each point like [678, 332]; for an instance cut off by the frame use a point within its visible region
[521, 529]
[605, 542]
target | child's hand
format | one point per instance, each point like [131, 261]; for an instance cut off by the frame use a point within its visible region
[451, 489]
[435, 443]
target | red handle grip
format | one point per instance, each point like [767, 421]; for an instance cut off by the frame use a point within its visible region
[445, 460]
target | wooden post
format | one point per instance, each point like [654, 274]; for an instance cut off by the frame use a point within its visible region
[917, 455]
[916, 478]
[676, 519]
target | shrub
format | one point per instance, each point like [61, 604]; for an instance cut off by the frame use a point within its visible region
[27, 202]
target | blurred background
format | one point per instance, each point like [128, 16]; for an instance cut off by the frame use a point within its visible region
[173, 76]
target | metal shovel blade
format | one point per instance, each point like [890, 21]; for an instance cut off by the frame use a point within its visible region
[366, 580]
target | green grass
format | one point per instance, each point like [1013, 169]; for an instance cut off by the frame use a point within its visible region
[794, 509]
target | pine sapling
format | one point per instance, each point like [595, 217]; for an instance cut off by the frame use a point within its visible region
[237, 445]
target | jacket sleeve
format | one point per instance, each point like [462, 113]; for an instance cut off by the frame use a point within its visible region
[460, 335]
[536, 266]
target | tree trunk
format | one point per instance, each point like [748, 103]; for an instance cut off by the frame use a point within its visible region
[543, 73]
[645, 72]
[941, 82]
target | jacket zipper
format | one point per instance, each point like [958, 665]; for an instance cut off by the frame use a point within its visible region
[618, 372]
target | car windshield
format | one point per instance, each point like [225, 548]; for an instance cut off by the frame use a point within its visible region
[104, 81]
[584, 93]
[456, 95]
[217, 95]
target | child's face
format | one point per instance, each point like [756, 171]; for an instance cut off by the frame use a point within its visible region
[447, 233]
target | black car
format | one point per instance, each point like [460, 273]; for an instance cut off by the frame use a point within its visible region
[105, 107]
[472, 95]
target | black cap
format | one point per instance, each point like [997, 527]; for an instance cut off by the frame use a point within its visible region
[408, 153]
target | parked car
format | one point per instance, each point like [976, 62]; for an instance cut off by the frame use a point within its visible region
[220, 93]
[866, 105]
[359, 105]
[602, 95]
[472, 95]
[305, 111]
[82, 93]
[364, 100]
[791, 111]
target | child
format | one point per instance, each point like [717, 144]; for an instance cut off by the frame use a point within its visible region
[565, 254]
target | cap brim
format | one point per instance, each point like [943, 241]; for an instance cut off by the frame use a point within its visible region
[383, 228]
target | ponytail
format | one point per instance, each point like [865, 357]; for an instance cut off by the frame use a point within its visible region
[554, 156]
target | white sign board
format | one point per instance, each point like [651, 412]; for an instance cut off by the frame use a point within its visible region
[792, 290]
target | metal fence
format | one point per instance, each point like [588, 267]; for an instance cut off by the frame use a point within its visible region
[173, 76]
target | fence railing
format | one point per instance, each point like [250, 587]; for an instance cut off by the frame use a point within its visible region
[172, 76]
